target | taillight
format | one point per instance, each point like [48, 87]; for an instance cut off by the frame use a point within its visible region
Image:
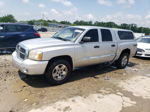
[37, 34]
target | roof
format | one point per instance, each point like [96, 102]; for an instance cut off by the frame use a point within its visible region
[91, 27]
[15, 24]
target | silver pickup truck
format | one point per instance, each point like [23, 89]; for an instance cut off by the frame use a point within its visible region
[73, 47]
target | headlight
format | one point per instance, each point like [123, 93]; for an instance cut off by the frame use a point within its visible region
[140, 50]
[35, 55]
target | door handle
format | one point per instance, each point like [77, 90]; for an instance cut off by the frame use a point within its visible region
[113, 45]
[96, 46]
[22, 35]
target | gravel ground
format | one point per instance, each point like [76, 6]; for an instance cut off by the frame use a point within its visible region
[90, 89]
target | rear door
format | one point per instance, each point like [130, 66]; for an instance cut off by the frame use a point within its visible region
[15, 34]
[11, 35]
[23, 33]
[27, 32]
[108, 45]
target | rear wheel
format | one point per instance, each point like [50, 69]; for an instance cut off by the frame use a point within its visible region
[58, 71]
[123, 60]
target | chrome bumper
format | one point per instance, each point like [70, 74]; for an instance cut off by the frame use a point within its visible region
[28, 66]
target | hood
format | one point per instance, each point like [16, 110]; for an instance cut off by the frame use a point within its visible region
[44, 42]
[143, 45]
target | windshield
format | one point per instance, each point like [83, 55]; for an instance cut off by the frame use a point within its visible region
[69, 34]
[144, 40]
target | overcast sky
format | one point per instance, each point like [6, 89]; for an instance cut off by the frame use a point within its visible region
[119, 11]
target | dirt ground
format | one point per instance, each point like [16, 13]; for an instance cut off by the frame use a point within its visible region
[46, 34]
[90, 89]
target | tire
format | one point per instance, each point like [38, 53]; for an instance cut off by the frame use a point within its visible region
[58, 72]
[123, 60]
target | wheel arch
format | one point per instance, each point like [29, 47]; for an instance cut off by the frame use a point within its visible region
[118, 62]
[63, 57]
[126, 51]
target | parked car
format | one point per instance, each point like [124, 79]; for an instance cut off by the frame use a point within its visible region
[143, 47]
[74, 47]
[11, 34]
[42, 29]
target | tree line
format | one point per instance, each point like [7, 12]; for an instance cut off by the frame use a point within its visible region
[133, 27]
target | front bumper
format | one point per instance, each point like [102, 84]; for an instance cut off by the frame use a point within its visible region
[143, 54]
[28, 66]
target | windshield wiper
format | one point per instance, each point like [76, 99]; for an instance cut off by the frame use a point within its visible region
[61, 38]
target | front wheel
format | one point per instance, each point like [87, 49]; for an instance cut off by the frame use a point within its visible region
[58, 71]
[123, 60]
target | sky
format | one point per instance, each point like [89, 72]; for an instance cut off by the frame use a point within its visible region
[118, 11]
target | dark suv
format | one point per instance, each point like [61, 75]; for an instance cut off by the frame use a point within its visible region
[11, 34]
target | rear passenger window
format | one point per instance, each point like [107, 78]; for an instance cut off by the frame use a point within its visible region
[93, 34]
[106, 35]
[125, 35]
[11, 28]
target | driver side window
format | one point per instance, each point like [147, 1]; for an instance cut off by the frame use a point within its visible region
[93, 34]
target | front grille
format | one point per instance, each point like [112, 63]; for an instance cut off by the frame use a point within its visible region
[21, 52]
[147, 54]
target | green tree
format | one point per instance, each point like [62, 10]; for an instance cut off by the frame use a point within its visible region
[124, 26]
[65, 22]
[8, 18]
[45, 23]
[31, 22]
[83, 22]
[52, 21]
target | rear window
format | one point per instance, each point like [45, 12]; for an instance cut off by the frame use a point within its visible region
[22, 28]
[106, 35]
[125, 35]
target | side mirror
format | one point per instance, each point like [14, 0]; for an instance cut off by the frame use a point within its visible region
[86, 39]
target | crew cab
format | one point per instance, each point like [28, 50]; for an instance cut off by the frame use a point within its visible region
[73, 47]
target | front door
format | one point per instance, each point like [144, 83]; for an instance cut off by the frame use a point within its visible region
[88, 53]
